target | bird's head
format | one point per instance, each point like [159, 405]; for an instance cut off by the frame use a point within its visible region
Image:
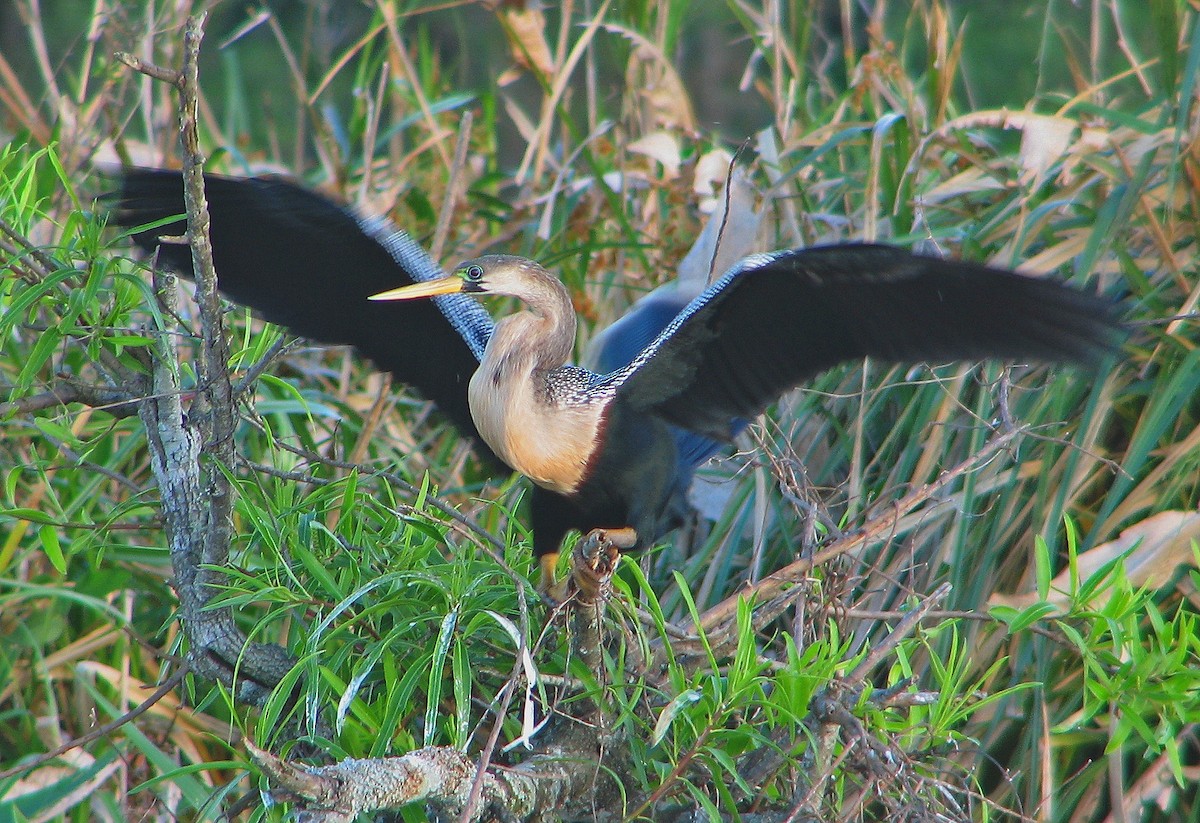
[492, 274]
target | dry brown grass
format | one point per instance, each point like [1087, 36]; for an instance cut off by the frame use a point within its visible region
[869, 136]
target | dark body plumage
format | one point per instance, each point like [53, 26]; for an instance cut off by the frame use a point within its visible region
[636, 433]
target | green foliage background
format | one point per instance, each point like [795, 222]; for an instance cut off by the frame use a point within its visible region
[1053, 698]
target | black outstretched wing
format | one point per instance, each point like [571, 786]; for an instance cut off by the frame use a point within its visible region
[775, 320]
[309, 264]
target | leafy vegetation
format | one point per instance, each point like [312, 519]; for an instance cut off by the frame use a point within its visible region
[1058, 678]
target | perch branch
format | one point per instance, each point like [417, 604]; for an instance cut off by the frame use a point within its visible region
[187, 450]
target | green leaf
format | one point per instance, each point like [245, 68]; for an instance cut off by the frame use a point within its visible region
[436, 672]
[1018, 620]
[673, 709]
[362, 670]
[461, 668]
[32, 515]
[1042, 567]
[52, 548]
[318, 570]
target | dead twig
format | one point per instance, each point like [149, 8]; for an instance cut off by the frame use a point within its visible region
[169, 76]
[777, 591]
[165, 688]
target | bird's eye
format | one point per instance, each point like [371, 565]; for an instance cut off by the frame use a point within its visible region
[474, 273]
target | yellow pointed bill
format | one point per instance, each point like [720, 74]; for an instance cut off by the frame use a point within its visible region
[430, 288]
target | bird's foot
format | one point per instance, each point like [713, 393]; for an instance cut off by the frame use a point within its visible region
[595, 559]
[549, 586]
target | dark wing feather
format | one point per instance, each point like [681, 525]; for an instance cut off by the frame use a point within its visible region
[776, 320]
[626, 338]
[307, 263]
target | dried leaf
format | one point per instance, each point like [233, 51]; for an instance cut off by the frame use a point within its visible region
[968, 181]
[1044, 139]
[526, 30]
[712, 169]
[525, 124]
[1092, 139]
[662, 147]
[1160, 544]
[661, 89]
[1052, 258]
[50, 776]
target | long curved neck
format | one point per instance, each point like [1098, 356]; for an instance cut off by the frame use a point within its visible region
[543, 334]
[516, 395]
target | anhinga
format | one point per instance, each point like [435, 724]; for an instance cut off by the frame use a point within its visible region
[612, 452]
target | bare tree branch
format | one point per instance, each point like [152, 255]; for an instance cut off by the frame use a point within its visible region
[117, 402]
[188, 450]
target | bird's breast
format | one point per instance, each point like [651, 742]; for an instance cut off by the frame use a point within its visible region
[549, 443]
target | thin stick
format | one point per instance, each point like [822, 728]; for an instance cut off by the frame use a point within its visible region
[137, 711]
